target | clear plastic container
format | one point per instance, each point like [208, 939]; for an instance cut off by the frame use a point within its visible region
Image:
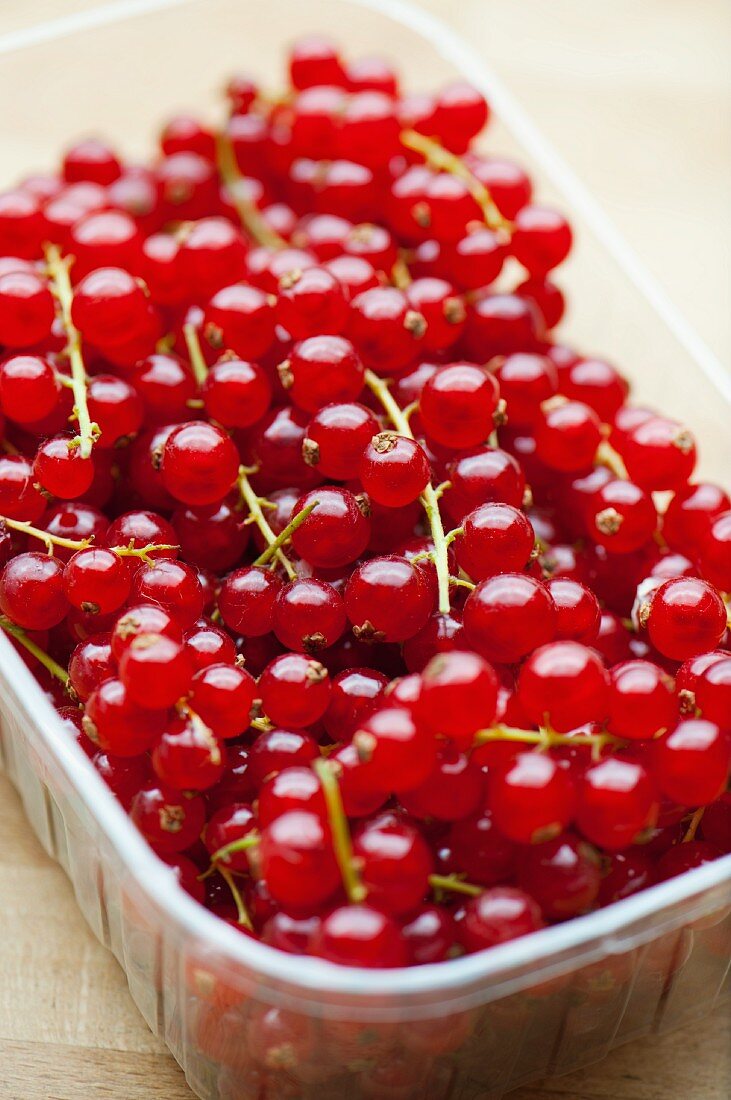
[244, 1020]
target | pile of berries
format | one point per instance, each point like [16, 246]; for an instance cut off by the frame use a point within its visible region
[398, 630]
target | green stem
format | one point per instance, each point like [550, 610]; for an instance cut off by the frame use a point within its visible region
[44, 536]
[286, 534]
[48, 662]
[253, 503]
[58, 271]
[544, 738]
[456, 885]
[143, 552]
[436, 156]
[241, 911]
[693, 825]
[197, 359]
[429, 498]
[342, 845]
[242, 845]
[250, 216]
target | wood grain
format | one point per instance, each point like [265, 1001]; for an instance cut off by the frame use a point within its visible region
[637, 97]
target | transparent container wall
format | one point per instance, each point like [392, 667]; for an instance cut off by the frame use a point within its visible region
[241, 1023]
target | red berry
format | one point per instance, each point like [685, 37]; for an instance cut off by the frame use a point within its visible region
[509, 615]
[32, 591]
[616, 801]
[387, 599]
[297, 861]
[358, 935]
[458, 695]
[223, 695]
[532, 798]
[393, 469]
[641, 701]
[498, 915]
[395, 863]
[336, 531]
[685, 617]
[564, 685]
[199, 463]
[691, 763]
[169, 821]
[563, 876]
[295, 690]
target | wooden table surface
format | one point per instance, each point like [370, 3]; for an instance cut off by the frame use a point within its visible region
[637, 97]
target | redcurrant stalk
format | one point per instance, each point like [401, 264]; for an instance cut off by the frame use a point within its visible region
[45, 537]
[285, 535]
[241, 911]
[58, 271]
[342, 845]
[40, 655]
[607, 456]
[197, 360]
[144, 553]
[544, 738]
[454, 884]
[253, 503]
[429, 497]
[241, 845]
[436, 156]
[250, 217]
[400, 274]
[693, 825]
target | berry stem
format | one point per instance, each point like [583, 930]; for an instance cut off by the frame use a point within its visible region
[253, 503]
[49, 540]
[58, 271]
[455, 884]
[544, 738]
[249, 215]
[285, 535]
[607, 456]
[400, 274]
[436, 156]
[693, 825]
[242, 845]
[342, 845]
[197, 359]
[429, 498]
[48, 663]
[142, 552]
[242, 914]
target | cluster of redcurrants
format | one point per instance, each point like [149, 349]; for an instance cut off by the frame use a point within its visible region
[272, 407]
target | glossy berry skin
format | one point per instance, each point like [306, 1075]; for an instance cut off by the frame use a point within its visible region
[429, 935]
[212, 537]
[713, 693]
[321, 370]
[384, 330]
[31, 591]
[395, 753]
[486, 856]
[96, 581]
[90, 664]
[685, 857]
[142, 619]
[686, 617]
[246, 600]
[199, 463]
[498, 915]
[155, 670]
[641, 701]
[294, 690]
[387, 599]
[715, 552]
[117, 724]
[458, 695]
[236, 392]
[531, 797]
[393, 469]
[692, 762]
[297, 861]
[278, 750]
[395, 863]
[359, 935]
[109, 307]
[293, 788]
[578, 614]
[60, 469]
[168, 820]
[26, 309]
[689, 514]
[457, 405]
[541, 239]
[310, 303]
[141, 529]
[355, 694]
[188, 756]
[336, 438]
[658, 454]
[562, 875]
[480, 476]
[309, 615]
[507, 616]
[617, 799]
[454, 789]
[172, 585]
[567, 436]
[29, 388]
[19, 498]
[497, 538]
[564, 685]
[208, 644]
[337, 530]
[624, 517]
[223, 695]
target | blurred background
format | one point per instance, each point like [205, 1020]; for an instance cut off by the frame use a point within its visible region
[635, 95]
